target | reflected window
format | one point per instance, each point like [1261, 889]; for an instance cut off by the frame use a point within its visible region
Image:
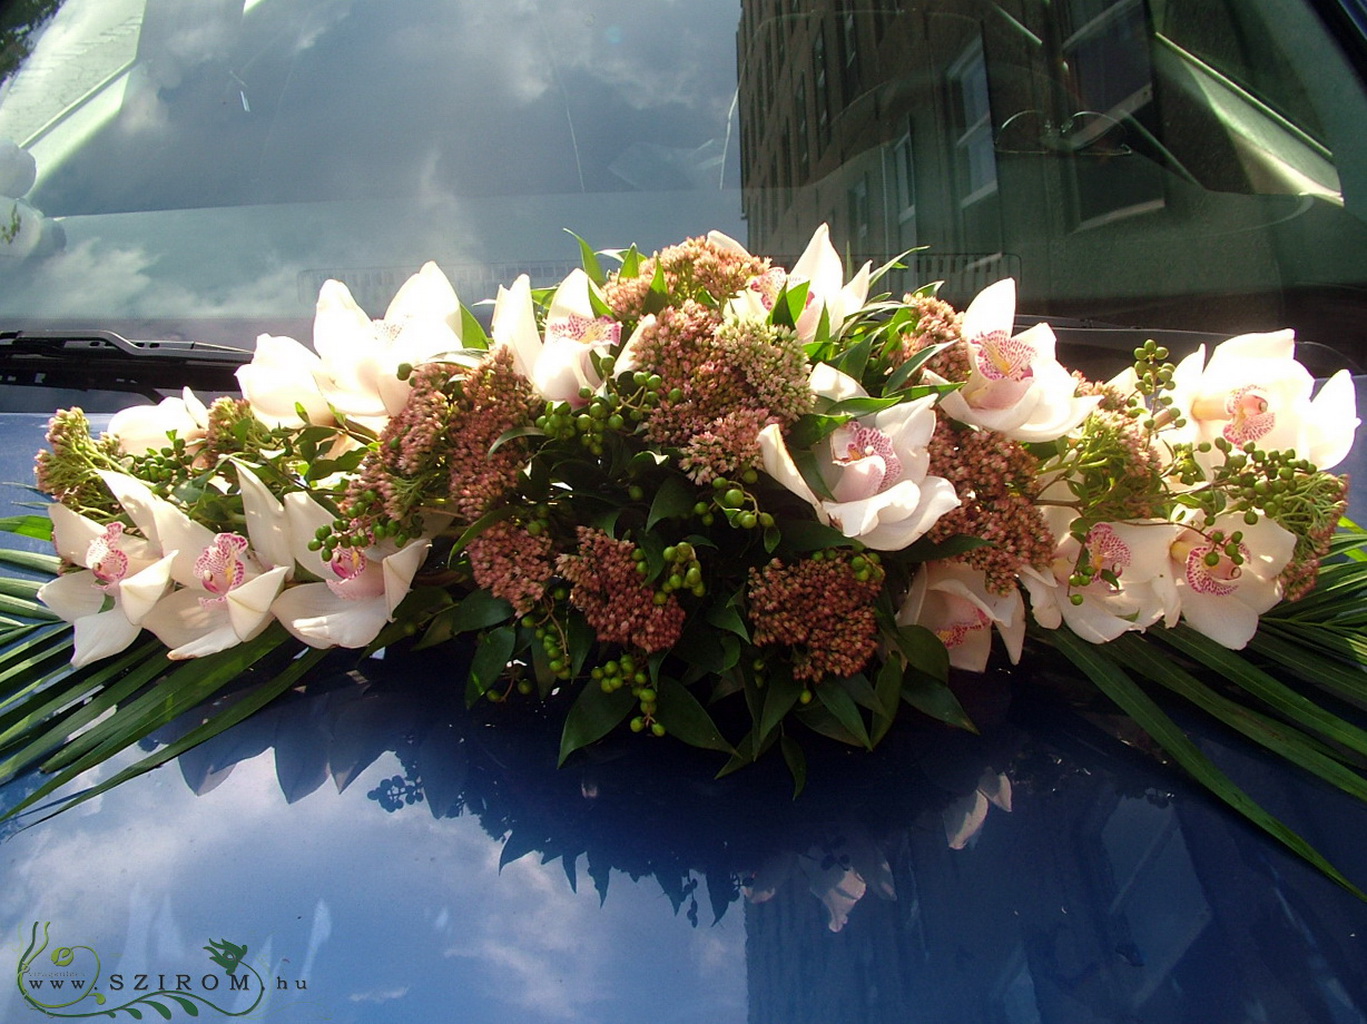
[902, 172]
[977, 160]
[1106, 54]
[823, 87]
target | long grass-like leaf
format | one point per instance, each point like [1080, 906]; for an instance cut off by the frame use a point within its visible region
[126, 676]
[18, 660]
[185, 686]
[1115, 683]
[31, 560]
[1343, 680]
[1276, 695]
[1275, 736]
[212, 726]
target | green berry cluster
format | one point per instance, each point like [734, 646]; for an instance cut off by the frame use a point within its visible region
[1154, 375]
[734, 500]
[682, 571]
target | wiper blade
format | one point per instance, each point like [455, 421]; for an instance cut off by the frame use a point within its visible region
[105, 361]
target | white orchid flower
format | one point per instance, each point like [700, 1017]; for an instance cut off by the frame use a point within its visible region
[874, 469]
[144, 428]
[1015, 384]
[1131, 582]
[1253, 389]
[953, 601]
[353, 371]
[359, 589]
[1217, 597]
[822, 270]
[122, 578]
[226, 589]
[559, 366]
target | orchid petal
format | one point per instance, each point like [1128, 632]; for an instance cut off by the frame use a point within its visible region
[992, 310]
[305, 518]
[514, 325]
[137, 500]
[73, 595]
[314, 614]
[101, 636]
[139, 593]
[399, 570]
[1333, 422]
[267, 524]
[249, 605]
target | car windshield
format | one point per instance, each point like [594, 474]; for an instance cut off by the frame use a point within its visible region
[197, 168]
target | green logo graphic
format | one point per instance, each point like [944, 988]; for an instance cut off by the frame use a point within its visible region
[74, 977]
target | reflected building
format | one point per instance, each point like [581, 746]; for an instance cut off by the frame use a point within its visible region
[1115, 156]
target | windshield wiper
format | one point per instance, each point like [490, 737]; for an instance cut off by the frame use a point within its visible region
[105, 361]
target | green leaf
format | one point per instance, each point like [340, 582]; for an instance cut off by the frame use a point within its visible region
[164, 1011]
[513, 435]
[27, 609]
[914, 364]
[923, 650]
[491, 658]
[840, 704]
[186, 685]
[471, 330]
[1095, 662]
[593, 716]
[1349, 681]
[1277, 737]
[818, 718]
[479, 609]
[631, 263]
[674, 499]
[589, 259]
[854, 359]
[805, 461]
[32, 561]
[796, 761]
[27, 590]
[781, 694]
[1276, 695]
[38, 527]
[812, 428]
[933, 697]
[725, 615]
[789, 304]
[888, 691]
[864, 406]
[809, 535]
[681, 713]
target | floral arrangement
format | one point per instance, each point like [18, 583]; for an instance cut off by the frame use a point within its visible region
[704, 496]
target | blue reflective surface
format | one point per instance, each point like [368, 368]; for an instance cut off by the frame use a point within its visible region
[457, 875]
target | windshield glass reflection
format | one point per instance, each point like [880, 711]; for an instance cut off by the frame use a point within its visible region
[198, 169]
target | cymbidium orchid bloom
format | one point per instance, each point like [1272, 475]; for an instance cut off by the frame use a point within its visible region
[1253, 389]
[561, 365]
[359, 589]
[144, 428]
[1130, 583]
[822, 270]
[123, 578]
[353, 372]
[875, 469]
[1015, 385]
[1218, 596]
[225, 589]
[952, 600]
